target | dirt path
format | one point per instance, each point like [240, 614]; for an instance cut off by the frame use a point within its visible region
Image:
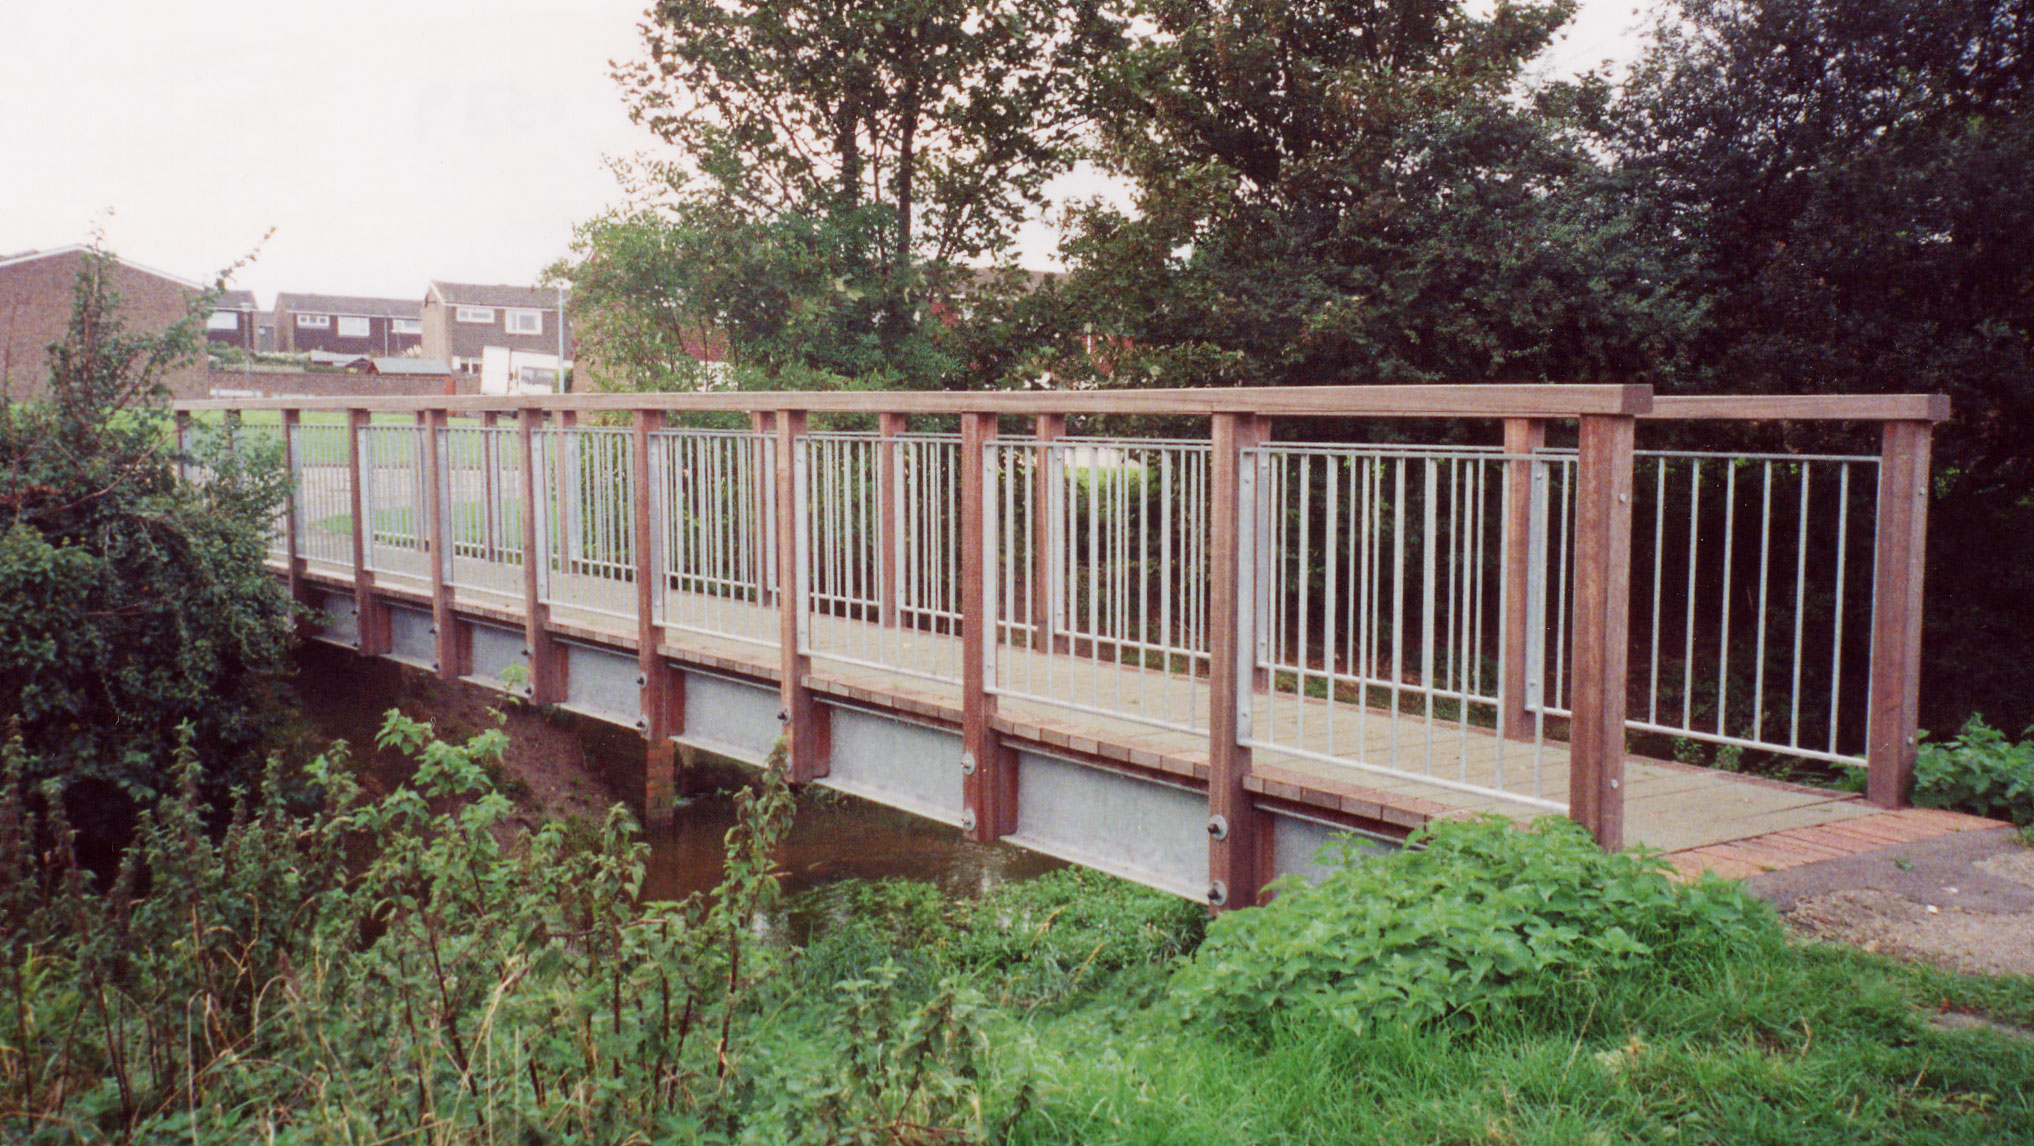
[1963, 901]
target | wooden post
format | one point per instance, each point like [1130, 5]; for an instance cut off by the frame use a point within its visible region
[1602, 583]
[1522, 436]
[1045, 533]
[1239, 837]
[445, 643]
[989, 781]
[546, 675]
[1902, 541]
[366, 607]
[653, 672]
[805, 725]
[887, 471]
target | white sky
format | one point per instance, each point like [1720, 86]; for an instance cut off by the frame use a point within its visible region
[387, 142]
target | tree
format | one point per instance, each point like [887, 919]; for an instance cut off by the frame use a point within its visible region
[891, 142]
[1340, 191]
[131, 602]
[656, 289]
[1845, 182]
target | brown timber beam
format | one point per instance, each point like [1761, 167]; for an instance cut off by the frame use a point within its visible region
[1902, 540]
[1239, 834]
[1598, 655]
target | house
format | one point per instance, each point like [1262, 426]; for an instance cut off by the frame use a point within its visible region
[343, 324]
[514, 337]
[235, 321]
[35, 311]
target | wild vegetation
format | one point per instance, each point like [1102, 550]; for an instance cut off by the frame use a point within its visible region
[132, 602]
[334, 967]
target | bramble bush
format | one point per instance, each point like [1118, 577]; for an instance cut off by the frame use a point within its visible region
[1481, 915]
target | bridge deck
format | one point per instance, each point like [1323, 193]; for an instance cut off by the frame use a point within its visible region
[1670, 807]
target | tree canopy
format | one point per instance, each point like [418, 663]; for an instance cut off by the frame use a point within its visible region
[1340, 191]
[885, 144]
[1844, 183]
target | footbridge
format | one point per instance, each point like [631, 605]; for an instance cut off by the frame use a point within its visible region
[1190, 654]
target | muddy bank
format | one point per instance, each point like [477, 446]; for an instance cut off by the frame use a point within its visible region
[562, 767]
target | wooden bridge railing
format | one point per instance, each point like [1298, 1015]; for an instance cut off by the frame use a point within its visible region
[1292, 583]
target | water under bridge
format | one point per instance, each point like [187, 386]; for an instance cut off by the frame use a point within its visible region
[1191, 661]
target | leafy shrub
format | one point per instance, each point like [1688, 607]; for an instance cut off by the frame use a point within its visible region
[1978, 771]
[1030, 942]
[1045, 940]
[132, 602]
[1483, 915]
[854, 927]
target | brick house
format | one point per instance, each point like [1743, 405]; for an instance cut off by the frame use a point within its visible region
[524, 324]
[343, 324]
[35, 311]
[234, 321]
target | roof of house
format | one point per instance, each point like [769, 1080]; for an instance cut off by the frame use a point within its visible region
[83, 248]
[336, 358]
[408, 366]
[483, 294]
[349, 305]
[237, 300]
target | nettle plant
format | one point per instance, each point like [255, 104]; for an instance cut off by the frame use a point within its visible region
[1473, 917]
[1978, 771]
[372, 965]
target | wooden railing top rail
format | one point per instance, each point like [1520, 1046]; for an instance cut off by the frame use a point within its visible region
[1516, 401]
[1511, 401]
[1802, 408]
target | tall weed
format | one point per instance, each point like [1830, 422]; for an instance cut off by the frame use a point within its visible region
[405, 966]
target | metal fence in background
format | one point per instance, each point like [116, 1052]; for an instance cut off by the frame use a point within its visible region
[1380, 614]
[481, 484]
[1103, 576]
[715, 501]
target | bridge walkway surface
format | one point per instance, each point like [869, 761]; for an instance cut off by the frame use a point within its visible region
[1701, 819]
[1192, 662]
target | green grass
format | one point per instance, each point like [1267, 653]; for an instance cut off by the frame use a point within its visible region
[1782, 1044]
[1756, 1039]
[468, 521]
[264, 417]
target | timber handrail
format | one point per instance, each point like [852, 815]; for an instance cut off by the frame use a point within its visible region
[1800, 408]
[1515, 401]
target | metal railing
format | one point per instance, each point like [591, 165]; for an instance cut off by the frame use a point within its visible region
[1752, 580]
[1488, 621]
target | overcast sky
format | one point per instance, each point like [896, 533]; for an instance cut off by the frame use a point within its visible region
[387, 142]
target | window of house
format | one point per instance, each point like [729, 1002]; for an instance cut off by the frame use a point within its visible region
[525, 321]
[317, 321]
[223, 320]
[352, 327]
[406, 325]
[476, 314]
[538, 376]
